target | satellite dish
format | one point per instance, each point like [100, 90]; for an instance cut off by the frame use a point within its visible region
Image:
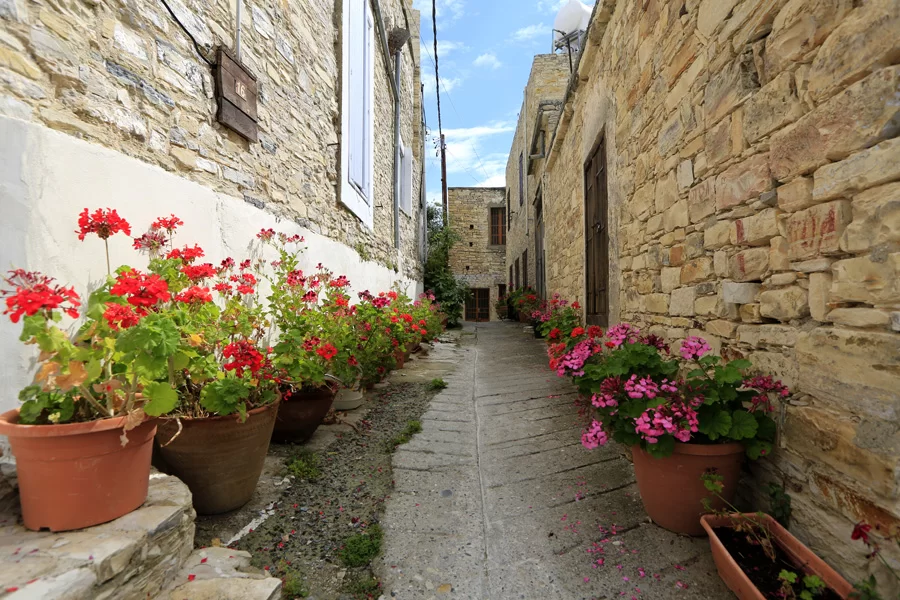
[572, 17]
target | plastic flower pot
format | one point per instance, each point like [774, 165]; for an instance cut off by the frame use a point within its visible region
[672, 489]
[220, 459]
[77, 475]
[802, 557]
[301, 413]
[347, 399]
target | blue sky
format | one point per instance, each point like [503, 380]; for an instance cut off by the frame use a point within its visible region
[485, 52]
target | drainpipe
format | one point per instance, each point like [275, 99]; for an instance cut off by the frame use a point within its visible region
[398, 62]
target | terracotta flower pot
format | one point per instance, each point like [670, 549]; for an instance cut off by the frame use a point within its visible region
[220, 459]
[348, 399]
[77, 475]
[671, 488]
[400, 358]
[523, 318]
[301, 413]
[805, 560]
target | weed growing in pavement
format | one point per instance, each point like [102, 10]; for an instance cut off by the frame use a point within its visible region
[360, 549]
[304, 465]
[363, 587]
[411, 429]
[292, 584]
[437, 384]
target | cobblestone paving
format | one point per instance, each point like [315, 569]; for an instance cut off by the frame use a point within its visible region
[497, 499]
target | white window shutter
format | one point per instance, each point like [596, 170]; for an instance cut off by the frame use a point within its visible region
[406, 173]
[359, 94]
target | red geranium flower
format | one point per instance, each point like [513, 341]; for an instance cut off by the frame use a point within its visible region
[151, 242]
[266, 234]
[392, 295]
[341, 301]
[120, 316]
[341, 281]
[327, 351]
[195, 295]
[34, 292]
[244, 355]
[170, 223]
[245, 289]
[187, 254]
[310, 297]
[311, 344]
[575, 305]
[198, 272]
[861, 532]
[140, 289]
[223, 288]
[103, 223]
[594, 331]
[577, 332]
[554, 333]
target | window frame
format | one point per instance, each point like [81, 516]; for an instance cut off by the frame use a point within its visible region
[406, 178]
[521, 179]
[499, 224]
[359, 199]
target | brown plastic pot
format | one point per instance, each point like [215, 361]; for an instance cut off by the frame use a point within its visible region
[735, 578]
[672, 489]
[301, 413]
[220, 459]
[77, 475]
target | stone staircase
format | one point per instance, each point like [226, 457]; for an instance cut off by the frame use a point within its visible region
[148, 553]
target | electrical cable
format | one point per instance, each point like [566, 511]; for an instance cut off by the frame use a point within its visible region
[189, 34]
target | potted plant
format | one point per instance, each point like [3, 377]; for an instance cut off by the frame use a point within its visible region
[680, 415]
[502, 306]
[82, 433]
[758, 559]
[557, 318]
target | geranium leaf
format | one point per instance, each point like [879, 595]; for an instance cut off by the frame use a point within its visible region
[757, 448]
[767, 428]
[161, 398]
[743, 425]
[714, 422]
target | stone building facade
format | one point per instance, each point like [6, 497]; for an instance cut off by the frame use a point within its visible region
[541, 107]
[753, 188]
[478, 259]
[107, 103]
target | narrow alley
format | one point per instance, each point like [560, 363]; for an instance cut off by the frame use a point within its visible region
[497, 498]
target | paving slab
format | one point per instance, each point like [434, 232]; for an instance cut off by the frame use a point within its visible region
[496, 498]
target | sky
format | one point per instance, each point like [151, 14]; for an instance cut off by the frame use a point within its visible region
[485, 50]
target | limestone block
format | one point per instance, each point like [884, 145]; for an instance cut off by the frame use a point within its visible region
[721, 328]
[645, 282]
[717, 235]
[130, 42]
[799, 28]
[19, 62]
[685, 84]
[784, 304]
[729, 88]
[868, 279]
[749, 265]
[876, 219]
[859, 317]
[682, 302]
[755, 230]
[858, 117]
[711, 15]
[739, 293]
[228, 589]
[670, 134]
[829, 437]
[895, 321]
[779, 254]
[780, 278]
[685, 174]
[720, 263]
[772, 107]
[670, 278]
[767, 335]
[743, 181]
[718, 142]
[841, 366]
[676, 216]
[864, 39]
[819, 292]
[749, 313]
[707, 306]
[641, 201]
[818, 229]
[696, 270]
[815, 265]
[795, 195]
[186, 159]
[674, 257]
[751, 20]
[655, 303]
[871, 167]
[666, 192]
[702, 200]
[69, 124]
[682, 58]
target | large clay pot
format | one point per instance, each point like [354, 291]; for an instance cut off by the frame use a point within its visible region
[77, 475]
[301, 413]
[348, 399]
[220, 459]
[735, 578]
[672, 489]
[399, 358]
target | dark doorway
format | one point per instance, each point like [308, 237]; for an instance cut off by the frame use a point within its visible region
[596, 238]
[478, 305]
[539, 255]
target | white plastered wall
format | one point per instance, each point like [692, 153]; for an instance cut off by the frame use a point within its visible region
[47, 178]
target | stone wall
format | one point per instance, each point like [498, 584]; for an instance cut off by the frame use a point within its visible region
[754, 199]
[124, 75]
[473, 259]
[546, 82]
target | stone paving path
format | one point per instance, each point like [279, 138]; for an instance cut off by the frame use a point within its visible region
[497, 499]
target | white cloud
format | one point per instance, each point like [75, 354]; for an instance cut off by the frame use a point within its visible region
[448, 11]
[447, 84]
[551, 6]
[466, 153]
[488, 60]
[498, 180]
[445, 47]
[532, 32]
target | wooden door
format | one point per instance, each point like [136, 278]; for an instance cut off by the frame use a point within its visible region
[478, 305]
[596, 238]
[539, 255]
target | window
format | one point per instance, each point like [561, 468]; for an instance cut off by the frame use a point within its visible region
[406, 180]
[498, 233]
[478, 305]
[521, 179]
[508, 213]
[501, 290]
[517, 274]
[511, 280]
[525, 269]
[356, 109]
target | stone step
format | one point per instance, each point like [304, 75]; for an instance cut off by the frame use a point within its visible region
[220, 574]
